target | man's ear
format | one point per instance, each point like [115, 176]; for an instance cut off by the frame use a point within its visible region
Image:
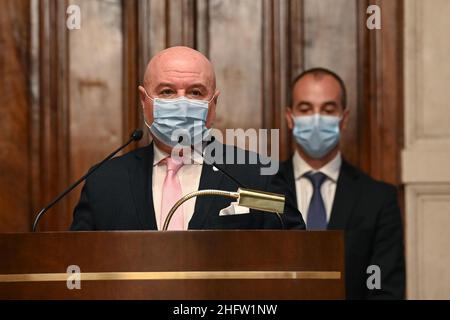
[212, 110]
[345, 119]
[211, 116]
[216, 97]
[142, 94]
[288, 116]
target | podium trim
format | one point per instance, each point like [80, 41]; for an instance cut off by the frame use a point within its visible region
[172, 275]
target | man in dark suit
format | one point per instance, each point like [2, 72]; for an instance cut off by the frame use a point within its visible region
[334, 195]
[137, 190]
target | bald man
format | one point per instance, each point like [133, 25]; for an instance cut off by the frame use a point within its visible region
[136, 191]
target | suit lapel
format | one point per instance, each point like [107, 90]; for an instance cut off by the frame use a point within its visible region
[347, 192]
[140, 185]
[209, 179]
[290, 178]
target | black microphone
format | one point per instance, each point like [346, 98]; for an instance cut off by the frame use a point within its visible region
[223, 171]
[220, 168]
[235, 180]
[135, 136]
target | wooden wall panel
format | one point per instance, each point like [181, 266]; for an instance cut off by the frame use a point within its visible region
[163, 24]
[95, 84]
[380, 89]
[14, 115]
[50, 114]
[330, 41]
[152, 30]
[180, 21]
[95, 79]
[80, 86]
[238, 66]
[254, 74]
[131, 108]
[78, 117]
[283, 60]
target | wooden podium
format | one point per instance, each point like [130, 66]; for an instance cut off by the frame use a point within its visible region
[203, 265]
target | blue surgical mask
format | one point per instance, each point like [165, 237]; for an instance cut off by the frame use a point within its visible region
[180, 117]
[317, 134]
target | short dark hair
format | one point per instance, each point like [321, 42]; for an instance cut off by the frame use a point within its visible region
[318, 73]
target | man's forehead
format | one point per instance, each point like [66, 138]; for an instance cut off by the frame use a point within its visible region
[179, 65]
[170, 76]
[182, 73]
[180, 62]
[310, 86]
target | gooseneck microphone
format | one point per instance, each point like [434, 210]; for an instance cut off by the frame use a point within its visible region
[220, 168]
[254, 199]
[135, 136]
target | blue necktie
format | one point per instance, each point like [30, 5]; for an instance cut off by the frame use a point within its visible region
[317, 216]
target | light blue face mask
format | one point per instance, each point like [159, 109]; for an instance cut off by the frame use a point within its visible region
[317, 134]
[180, 117]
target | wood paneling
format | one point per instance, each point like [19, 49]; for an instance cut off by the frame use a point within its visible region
[71, 96]
[276, 68]
[330, 41]
[180, 22]
[131, 108]
[96, 93]
[380, 120]
[238, 67]
[15, 101]
[51, 118]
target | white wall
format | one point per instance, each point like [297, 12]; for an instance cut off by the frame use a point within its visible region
[426, 158]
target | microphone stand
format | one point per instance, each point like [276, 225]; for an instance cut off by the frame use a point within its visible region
[136, 136]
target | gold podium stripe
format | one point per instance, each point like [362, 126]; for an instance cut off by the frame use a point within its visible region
[173, 275]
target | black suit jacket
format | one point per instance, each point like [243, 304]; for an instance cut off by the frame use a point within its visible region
[368, 212]
[118, 196]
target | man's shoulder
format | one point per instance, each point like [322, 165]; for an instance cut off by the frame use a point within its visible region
[251, 157]
[286, 164]
[234, 155]
[124, 162]
[371, 184]
[286, 170]
[351, 171]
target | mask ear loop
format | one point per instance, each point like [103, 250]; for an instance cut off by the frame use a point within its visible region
[145, 120]
[341, 117]
[148, 95]
[213, 97]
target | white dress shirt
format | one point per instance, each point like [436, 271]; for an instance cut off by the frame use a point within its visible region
[304, 188]
[189, 175]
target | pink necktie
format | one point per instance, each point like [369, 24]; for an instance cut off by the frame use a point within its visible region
[171, 193]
